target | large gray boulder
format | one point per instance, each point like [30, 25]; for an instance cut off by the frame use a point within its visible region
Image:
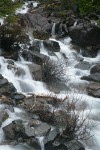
[38, 21]
[85, 34]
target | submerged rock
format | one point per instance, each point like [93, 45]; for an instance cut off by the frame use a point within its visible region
[83, 65]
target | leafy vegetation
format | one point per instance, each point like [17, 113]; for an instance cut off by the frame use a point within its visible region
[84, 6]
[7, 7]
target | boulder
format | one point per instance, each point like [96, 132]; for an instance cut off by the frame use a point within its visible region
[42, 129]
[83, 65]
[14, 130]
[3, 81]
[85, 34]
[9, 132]
[3, 116]
[94, 89]
[34, 143]
[61, 30]
[18, 96]
[92, 77]
[51, 45]
[6, 87]
[39, 23]
[95, 69]
[35, 57]
[35, 46]
[36, 71]
[29, 131]
[51, 135]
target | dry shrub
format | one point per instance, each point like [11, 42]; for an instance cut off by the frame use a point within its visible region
[55, 71]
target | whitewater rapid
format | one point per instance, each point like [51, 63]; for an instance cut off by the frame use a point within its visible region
[25, 84]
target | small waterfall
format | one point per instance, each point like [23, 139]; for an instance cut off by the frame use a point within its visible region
[53, 30]
[75, 23]
[40, 139]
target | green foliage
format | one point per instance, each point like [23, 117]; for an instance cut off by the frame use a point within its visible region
[7, 7]
[87, 6]
[98, 22]
[12, 19]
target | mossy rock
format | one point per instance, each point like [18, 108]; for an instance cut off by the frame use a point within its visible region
[12, 19]
[40, 35]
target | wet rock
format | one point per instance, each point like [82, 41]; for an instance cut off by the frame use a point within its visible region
[1, 77]
[14, 130]
[39, 22]
[35, 116]
[34, 143]
[6, 87]
[3, 82]
[35, 46]
[90, 51]
[61, 30]
[94, 89]
[71, 21]
[18, 96]
[42, 129]
[50, 146]
[93, 16]
[36, 57]
[51, 45]
[85, 35]
[36, 71]
[35, 123]
[29, 131]
[9, 132]
[10, 61]
[3, 116]
[51, 135]
[95, 69]
[83, 65]
[93, 77]
[74, 145]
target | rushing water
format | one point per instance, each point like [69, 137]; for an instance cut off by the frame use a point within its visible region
[24, 83]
